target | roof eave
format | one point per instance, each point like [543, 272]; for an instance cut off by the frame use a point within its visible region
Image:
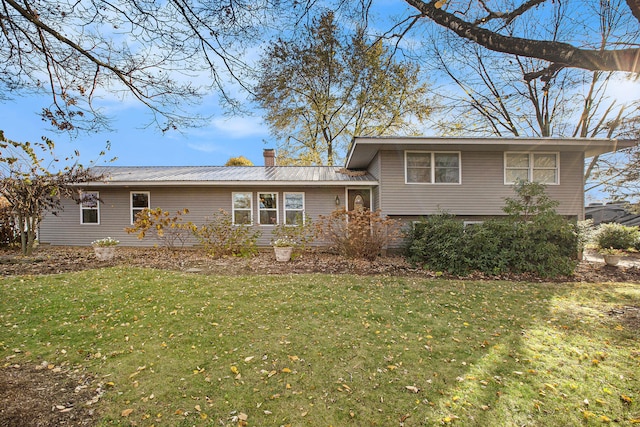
[364, 149]
[228, 183]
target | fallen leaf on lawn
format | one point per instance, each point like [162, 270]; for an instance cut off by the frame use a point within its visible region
[234, 369]
[412, 388]
[242, 416]
[286, 370]
[248, 359]
[126, 412]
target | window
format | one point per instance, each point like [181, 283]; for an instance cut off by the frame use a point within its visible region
[90, 208]
[268, 208]
[536, 167]
[293, 208]
[139, 202]
[242, 209]
[431, 167]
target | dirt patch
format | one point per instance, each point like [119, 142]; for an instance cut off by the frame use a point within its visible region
[46, 396]
[628, 316]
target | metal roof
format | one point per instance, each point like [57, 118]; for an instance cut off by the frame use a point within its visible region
[364, 149]
[230, 175]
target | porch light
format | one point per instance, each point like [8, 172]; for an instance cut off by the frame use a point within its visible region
[337, 200]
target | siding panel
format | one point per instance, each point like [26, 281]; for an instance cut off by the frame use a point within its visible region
[202, 202]
[481, 192]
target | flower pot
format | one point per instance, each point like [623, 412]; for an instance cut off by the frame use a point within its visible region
[611, 259]
[104, 253]
[283, 253]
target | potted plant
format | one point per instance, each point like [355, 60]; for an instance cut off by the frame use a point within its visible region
[611, 256]
[283, 249]
[294, 235]
[105, 249]
[614, 239]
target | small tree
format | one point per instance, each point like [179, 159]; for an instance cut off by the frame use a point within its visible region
[31, 189]
[169, 230]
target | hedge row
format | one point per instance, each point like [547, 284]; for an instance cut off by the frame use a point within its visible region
[546, 245]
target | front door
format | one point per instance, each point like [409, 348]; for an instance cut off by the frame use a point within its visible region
[358, 198]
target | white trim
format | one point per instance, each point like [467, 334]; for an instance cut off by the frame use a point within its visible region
[531, 167]
[131, 208]
[284, 206]
[233, 207]
[82, 208]
[276, 209]
[432, 167]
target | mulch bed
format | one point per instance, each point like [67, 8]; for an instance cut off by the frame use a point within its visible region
[53, 260]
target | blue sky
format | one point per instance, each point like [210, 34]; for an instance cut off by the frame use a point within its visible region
[135, 145]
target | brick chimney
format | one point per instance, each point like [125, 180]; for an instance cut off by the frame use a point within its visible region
[269, 157]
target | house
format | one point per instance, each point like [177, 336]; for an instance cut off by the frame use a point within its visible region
[619, 212]
[405, 177]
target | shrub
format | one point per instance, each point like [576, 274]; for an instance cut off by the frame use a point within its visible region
[299, 235]
[616, 236]
[359, 233]
[532, 239]
[220, 237]
[436, 243]
[546, 246]
[9, 229]
[169, 230]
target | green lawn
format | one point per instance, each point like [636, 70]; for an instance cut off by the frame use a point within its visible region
[320, 350]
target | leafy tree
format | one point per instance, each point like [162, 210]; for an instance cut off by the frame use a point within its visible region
[31, 189]
[239, 161]
[320, 89]
[491, 24]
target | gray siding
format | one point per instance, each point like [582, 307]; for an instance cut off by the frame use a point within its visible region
[481, 192]
[202, 202]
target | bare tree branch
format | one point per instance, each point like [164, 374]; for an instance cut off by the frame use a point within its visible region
[559, 54]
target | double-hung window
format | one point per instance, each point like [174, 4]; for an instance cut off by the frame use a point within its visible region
[531, 167]
[424, 167]
[242, 209]
[90, 207]
[268, 208]
[140, 200]
[294, 208]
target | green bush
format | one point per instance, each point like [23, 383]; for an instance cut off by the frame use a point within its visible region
[546, 245]
[435, 243]
[616, 236]
[220, 237]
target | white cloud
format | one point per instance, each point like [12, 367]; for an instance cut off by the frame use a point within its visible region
[204, 147]
[240, 127]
